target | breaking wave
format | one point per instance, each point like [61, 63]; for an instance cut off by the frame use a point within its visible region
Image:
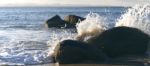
[137, 17]
[93, 25]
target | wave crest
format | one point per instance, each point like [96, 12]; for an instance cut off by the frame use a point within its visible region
[137, 17]
[93, 25]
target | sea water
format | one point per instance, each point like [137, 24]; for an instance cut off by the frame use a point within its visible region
[24, 40]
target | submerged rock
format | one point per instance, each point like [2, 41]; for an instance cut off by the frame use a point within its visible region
[71, 51]
[120, 41]
[71, 20]
[55, 21]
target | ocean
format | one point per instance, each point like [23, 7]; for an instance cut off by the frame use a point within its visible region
[25, 41]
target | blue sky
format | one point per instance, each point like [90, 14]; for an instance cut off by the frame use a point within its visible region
[13, 3]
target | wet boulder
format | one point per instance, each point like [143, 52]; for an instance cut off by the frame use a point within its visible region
[71, 20]
[71, 51]
[121, 41]
[55, 21]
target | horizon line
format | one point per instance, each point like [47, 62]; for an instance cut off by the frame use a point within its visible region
[64, 6]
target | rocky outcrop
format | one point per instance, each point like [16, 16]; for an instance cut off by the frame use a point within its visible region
[68, 22]
[73, 19]
[120, 41]
[55, 21]
[71, 51]
[110, 44]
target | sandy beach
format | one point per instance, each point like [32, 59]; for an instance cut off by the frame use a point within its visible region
[100, 64]
[121, 61]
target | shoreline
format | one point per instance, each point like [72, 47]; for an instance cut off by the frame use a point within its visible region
[95, 64]
[122, 61]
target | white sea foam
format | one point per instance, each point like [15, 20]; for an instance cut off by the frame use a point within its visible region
[93, 25]
[23, 47]
[30, 47]
[58, 36]
[137, 17]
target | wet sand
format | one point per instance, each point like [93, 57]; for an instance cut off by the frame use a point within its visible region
[51, 64]
[122, 61]
[111, 63]
[101, 64]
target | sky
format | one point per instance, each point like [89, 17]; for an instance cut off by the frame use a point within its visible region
[34, 3]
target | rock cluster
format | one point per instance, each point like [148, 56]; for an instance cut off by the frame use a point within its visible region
[68, 21]
[112, 43]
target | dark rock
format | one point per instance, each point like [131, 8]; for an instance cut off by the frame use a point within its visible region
[71, 51]
[120, 41]
[71, 20]
[55, 21]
